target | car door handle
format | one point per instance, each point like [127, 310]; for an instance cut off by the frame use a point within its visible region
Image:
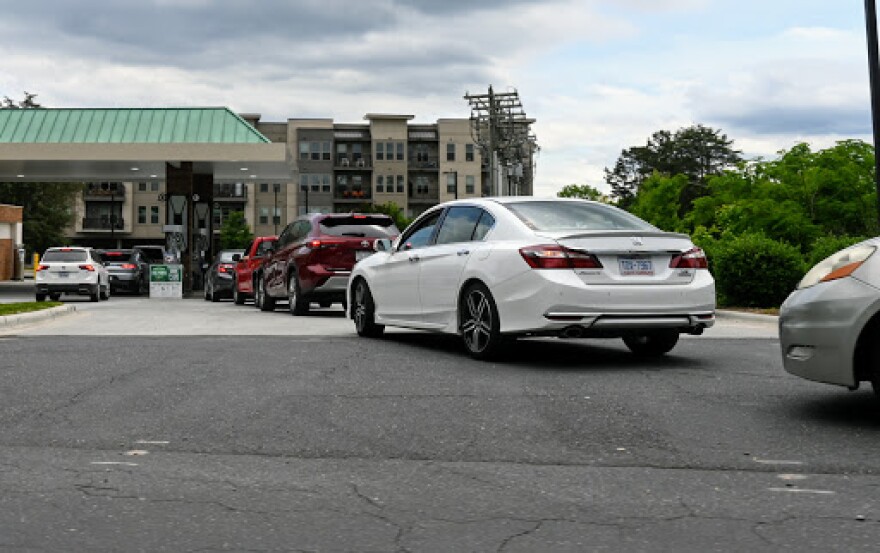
[413, 258]
[463, 252]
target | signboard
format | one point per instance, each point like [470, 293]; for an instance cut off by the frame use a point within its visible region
[166, 281]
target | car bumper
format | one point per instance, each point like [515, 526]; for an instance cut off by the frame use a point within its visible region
[124, 280]
[83, 289]
[550, 301]
[820, 326]
[222, 285]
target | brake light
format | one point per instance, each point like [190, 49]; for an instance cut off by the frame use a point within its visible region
[89, 268]
[129, 266]
[225, 268]
[558, 257]
[692, 259]
[319, 244]
[42, 267]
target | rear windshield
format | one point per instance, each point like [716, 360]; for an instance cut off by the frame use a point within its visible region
[152, 254]
[112, 256]
[71, 256]
[562, 216]
[227, 256]
[360, 226]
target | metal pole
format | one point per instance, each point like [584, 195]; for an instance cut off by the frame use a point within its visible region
[112, 217]
[275, 209]
[874, 74]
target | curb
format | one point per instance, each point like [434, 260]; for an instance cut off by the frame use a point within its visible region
[7, 321]
[743, 316]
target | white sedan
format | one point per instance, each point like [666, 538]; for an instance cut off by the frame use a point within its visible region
[492, 269]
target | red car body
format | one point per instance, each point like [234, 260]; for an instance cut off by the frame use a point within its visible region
[313, 258]
[250, 262]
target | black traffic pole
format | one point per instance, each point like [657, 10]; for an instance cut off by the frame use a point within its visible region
[874, 75]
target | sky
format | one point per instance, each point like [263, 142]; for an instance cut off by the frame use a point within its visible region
[598, 76]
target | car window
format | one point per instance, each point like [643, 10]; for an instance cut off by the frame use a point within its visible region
[360, 226]
[285, 235]
[458, 225]
[112, 256]
[484, 225]
[248, 248]
[562, 216]
[226, 256]
[420, 235]
[265, 245]
[65, 256]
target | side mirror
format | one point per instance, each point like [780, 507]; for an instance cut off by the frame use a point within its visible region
[236, 257]
[382, 245]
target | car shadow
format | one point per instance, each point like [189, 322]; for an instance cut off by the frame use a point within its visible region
[551, 353]
[859, 409]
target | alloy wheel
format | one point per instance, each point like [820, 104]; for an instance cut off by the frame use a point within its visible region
[477, 325]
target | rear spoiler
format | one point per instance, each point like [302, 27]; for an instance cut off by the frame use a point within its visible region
[613, 234]
[378, 220]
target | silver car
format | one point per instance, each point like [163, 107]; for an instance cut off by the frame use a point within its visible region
[72, 270]
[828, 327]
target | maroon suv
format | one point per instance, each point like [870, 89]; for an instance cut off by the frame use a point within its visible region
[313, 258]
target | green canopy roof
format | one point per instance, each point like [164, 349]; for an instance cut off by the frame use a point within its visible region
[126, 126]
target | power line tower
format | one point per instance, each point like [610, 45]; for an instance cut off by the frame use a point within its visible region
[502, 131]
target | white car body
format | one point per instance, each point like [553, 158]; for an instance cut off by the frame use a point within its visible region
[72, 270]
[422, 287]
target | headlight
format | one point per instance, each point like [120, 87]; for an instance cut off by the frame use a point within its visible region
[839, 265]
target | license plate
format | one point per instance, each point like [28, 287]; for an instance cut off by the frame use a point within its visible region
[63, 274]
[361, 254]
[636, 266]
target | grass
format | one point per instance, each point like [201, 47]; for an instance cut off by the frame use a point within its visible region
[761, 310]
[26, 307]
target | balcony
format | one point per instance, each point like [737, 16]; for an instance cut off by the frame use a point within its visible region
[344, 162]
[424, 164]
[109, 191]
[237, 191]
[354, 196]
[103, 223]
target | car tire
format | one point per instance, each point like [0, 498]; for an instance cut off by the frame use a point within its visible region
[54, 296]
[214, 296]
[95, 296]
[480, 324]
[105, 293]
[237, 297]
[364, 311]
[298, 304]
[41, 297]
[652, 344]
[267, 303]
[207, 292]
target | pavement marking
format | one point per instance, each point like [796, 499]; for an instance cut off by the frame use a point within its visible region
[114, 463]
[777, 462]
[792, 476]
[136, 452]
[152, 442]
[802, 490]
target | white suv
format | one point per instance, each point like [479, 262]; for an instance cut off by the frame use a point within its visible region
[72, 270]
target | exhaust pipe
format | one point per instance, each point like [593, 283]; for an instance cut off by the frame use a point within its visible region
[573, 331]
[697, 330]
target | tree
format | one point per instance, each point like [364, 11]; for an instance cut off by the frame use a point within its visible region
[235, 233]
[401, 221]
[46, 210]
[697, 152]
[582, 191]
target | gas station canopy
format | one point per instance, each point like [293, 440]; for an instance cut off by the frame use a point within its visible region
[49, 145]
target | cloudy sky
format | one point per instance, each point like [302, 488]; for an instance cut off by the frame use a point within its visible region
[599, 76]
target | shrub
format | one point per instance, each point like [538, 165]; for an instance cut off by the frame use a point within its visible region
[827, 245]
[752, 270]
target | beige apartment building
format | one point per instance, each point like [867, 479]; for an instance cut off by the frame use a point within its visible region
[334, 167]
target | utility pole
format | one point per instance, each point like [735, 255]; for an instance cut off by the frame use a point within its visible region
[874, 75]
[502, 131]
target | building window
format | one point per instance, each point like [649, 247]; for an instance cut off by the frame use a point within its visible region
[469, 184]
[389, 151]
[380, 183]
[303, 150]
[341, 184]
[316, 183]
[451, 181]
[380, 151]
[450, 152]
[422, 185]
[400, 156]
[357, 151]
[154, 214]
[325, 182]
[468, 152]
[264, 187]
[400, 184]
[264, 215]
[142, 187]
[315, 151]
[154, 187]
[276, 216]
[142, 214]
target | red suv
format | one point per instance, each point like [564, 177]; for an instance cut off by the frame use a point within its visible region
[248, 266]
[313, 258]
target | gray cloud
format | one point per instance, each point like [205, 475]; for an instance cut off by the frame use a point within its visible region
[810, 120]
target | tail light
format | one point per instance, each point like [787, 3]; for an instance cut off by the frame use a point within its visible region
[321, 244]
[129, 266]
[558, 257]
[42, 267]
[692, 259]
[89, 268]
[225, 268]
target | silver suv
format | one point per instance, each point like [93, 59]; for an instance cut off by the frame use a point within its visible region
[72, 270]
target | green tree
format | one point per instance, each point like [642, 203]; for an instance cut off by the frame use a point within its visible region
[582, 191]
[46, 211]
[235, 233]
[401, 221]
[657, 201]
[697, 152]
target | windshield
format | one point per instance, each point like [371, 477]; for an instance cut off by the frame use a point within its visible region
[153, 255]
[564, 216]
[69, 256]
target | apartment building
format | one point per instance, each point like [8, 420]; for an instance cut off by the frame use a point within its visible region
[334, 167]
